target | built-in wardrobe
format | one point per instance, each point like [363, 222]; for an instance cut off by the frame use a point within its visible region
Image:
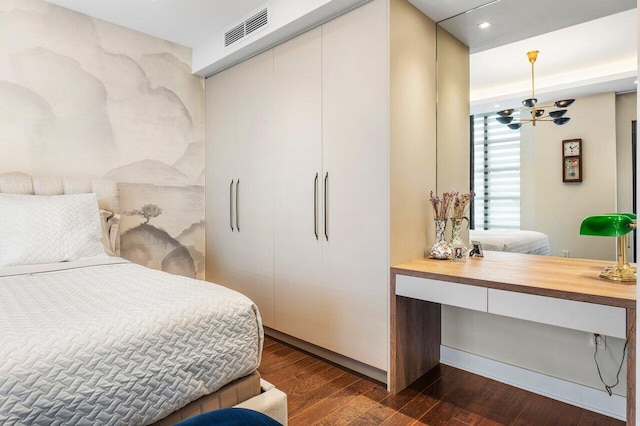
[319, 160]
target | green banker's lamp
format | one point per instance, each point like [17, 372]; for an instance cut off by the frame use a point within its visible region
[613, 225]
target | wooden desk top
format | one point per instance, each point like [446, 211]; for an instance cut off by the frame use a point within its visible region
[566, 278]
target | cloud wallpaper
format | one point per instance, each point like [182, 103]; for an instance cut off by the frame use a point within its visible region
[81, 97]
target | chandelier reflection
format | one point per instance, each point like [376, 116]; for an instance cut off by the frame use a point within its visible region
[532, 109]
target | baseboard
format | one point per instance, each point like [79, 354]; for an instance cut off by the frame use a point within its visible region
[342, 360]
[561, 390]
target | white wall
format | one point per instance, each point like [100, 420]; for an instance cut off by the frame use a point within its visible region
[554, 351]
[557, 208]
[412, 113]
[454, 150]
[626, 112]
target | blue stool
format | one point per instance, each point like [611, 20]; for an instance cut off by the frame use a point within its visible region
[230, 417]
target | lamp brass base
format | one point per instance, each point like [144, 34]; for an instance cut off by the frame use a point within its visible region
[624, 273]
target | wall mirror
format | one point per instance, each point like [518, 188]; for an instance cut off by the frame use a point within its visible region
[588, 51]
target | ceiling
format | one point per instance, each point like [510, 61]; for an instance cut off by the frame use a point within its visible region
[512, 19]
[189, 22]
[185, 22]
[499, 69]
[592, 57]
[439, 10]
[586, 47]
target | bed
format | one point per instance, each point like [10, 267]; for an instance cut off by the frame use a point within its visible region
[100, 340]
[516, 241]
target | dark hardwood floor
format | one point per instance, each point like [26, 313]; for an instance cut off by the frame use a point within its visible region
[321, 393]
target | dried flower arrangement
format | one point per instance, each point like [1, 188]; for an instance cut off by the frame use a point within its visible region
[461, 202]
[441, 206]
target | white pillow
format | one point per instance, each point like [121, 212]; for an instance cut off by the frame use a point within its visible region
[47, 229]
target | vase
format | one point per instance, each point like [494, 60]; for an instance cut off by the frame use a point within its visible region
[440, 250]
[456, 229]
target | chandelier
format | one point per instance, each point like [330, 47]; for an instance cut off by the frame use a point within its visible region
[537, 112]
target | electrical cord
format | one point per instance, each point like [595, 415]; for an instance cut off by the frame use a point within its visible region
[624, 351]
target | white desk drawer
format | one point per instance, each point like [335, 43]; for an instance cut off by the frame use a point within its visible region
[444, 292]
[601, 319]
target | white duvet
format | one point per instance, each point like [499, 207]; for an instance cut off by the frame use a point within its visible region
[117, 343]
[515, 241]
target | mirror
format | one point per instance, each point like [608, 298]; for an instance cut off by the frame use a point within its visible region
[588, 51]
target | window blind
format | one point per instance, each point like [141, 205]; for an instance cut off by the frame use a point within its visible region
[496, 173]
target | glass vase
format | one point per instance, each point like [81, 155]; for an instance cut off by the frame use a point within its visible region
[456, 230]
[440, 250]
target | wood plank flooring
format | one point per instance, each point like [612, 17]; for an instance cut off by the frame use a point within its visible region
[321, 393]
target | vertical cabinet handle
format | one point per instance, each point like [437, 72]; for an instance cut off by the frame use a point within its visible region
[231, 205]
[326, 182]
[237, 214]
[315, 206]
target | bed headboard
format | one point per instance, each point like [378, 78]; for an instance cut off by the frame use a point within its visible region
[20, 183]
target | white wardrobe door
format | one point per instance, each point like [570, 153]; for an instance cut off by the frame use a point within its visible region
[254, 160]
[220, 160]
[301, 300]
[355, 74]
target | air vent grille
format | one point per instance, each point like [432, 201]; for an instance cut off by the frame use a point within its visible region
[234, 35]
[240, 31]
[257, 21]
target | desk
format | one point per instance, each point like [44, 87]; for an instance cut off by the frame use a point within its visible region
[536, 288]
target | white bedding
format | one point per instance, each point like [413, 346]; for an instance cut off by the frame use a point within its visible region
[531, 242]
[113, 342]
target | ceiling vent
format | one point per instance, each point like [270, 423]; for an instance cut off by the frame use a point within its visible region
[234, 35]
[257, 21]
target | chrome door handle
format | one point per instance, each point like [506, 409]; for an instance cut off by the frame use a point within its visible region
[315, 206]
[237, 214]
[231, 205]
[326, 183]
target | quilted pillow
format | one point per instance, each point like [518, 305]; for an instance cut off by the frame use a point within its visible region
[47, 229]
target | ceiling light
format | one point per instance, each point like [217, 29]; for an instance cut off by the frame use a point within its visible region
[536, 111]
[484, 25]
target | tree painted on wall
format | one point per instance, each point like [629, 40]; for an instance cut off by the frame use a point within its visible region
[148, 211]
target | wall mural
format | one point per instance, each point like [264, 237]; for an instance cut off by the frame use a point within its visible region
[81, 97]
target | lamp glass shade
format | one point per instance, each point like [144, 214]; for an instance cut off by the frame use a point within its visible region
[564, 103]
[505, 112]
[562, 120]
[558, 113]
[514, 126]
[539, 113]
[608, 225]
[531, 102]
[504, 120]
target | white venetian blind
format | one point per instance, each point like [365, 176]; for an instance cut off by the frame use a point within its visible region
[496, 173]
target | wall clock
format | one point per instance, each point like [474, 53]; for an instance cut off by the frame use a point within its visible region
[572, 160]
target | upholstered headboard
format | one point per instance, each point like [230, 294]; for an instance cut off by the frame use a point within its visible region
[20, 183]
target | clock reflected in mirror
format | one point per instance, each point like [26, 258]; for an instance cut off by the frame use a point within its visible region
[571, 168]
[572, 160]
